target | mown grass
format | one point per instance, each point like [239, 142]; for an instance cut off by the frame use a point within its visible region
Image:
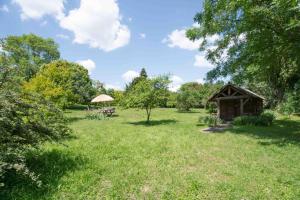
[170, 158]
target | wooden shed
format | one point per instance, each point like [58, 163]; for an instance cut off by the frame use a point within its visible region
[233, 101]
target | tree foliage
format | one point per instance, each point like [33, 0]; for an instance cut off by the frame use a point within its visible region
[195, 95]
[29, 52]
[143, 75]
[63, 83]
[147, 94]
[26, 121]
[118, 95]
[98, 87]
[291, 103]
[171, 100]
[189, 96]
[258, 42]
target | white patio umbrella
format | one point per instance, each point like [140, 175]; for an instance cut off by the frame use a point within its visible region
[102, 98]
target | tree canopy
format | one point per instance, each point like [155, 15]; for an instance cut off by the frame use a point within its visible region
[26, 120]
[62, 82]
[147, 94]
[143, 75]
[29, 52]
[195, 95]
[258, 42]
[189, 96]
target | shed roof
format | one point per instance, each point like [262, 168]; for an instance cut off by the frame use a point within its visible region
[239, 89]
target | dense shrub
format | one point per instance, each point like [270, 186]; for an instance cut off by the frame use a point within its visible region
[291, 103]
[25, 122]
[211, 120]
[211, 108]
[264, 119]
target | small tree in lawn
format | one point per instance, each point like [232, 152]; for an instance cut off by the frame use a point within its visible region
[147, 94]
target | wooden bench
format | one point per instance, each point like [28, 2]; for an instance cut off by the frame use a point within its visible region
[108, 111]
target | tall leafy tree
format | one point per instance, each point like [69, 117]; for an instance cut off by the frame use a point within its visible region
[258, 42]
[195, 95]
[26, 120]
[189, 96]
[143, 75]
[98, 87]
[147, 94]
[29, 52]
[62, 82]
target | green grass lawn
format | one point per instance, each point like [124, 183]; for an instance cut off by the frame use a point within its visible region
[123, 158]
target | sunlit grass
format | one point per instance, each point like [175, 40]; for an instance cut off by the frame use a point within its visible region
[170, 158]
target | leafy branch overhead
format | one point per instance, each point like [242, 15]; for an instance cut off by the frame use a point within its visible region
[258, 43]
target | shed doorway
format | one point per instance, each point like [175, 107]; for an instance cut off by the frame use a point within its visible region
[229, 109]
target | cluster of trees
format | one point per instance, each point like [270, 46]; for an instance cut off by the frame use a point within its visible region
[257, 47]
[62, 82]
[146, 93]
[27, 118]
[195, 95]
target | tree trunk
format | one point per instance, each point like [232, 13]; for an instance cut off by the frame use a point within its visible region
[148, 110]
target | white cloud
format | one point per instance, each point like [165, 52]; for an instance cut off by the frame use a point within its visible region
[211, 40]
[33, 9]
[142, 35]
[130, 75]
[130, 19]
[202, 62]
[178, 39]
[88, 64]
[175, 84]
[4, 8]
[200, 80]
[196, 25]
[112, 86]
[62, 36]
[44, 23]
[98, 24]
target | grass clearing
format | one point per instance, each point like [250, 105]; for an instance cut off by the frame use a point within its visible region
[124, 158]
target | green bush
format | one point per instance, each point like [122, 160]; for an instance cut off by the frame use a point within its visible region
[211, 108]
[264, 119]
[211, 120]
[26, 121]
[291, 102]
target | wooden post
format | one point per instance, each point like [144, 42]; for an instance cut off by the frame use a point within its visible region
[241, 107]
[218, 108]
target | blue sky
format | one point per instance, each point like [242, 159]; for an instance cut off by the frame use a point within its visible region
[114, 39]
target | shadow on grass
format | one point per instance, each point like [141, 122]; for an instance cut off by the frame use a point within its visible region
[49, 166]
[78, 107]
[281, 133]
[154, 122]
[114, 115]
[74, 119]
[191, 111]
